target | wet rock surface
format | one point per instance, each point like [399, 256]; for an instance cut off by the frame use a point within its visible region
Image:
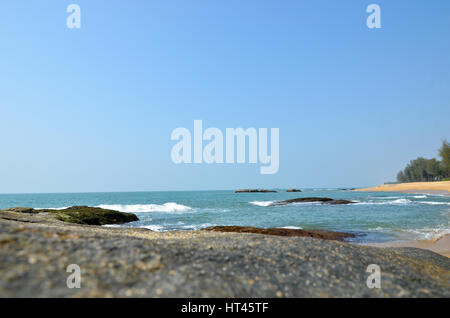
[254, 191]
[36, 248]
[293, 190]
[83, 215]
[312, 200]
[325, 235]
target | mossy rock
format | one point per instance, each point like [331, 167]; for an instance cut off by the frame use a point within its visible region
[94, 216]
[22, 210]
[84, 215]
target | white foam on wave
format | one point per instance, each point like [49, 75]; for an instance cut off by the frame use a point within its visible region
[197, 226]
[429, 234]
[61, 208]
[262, 203]
[434, 202]
[269, 203]
[291, 227]
[417, 234]
[385, 198]
[147, 208]
[419, 196]
[395, 202]
[155, 228]
[400, 201]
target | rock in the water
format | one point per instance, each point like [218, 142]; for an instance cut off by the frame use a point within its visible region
[339, 202]
[313, 199]
[325, 235]
[254, 190]
[293, 190]
[22, 210]
[84, 215]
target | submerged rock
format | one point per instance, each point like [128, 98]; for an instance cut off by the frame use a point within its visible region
[254, 190]
[339, 202]
[325, 235]
[313, 199]
[83, 215]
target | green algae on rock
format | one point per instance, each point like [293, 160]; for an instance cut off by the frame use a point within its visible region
[84, 215]
[325, 235]
[22, 210]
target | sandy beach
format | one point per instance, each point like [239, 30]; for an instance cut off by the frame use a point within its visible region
[436, 188]
[440, 245]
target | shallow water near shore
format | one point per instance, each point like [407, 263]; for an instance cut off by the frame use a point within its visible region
[376, 217]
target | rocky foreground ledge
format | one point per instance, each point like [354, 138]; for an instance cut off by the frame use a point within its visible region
[36, 248]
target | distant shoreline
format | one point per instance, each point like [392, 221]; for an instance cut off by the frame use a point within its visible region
[442, 244]
[434, 188]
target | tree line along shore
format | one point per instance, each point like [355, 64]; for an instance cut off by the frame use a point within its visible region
[422, 169]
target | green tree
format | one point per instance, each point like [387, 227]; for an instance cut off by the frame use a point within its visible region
[401, 177]
[433, 170]
[444, 152]
[421, 169]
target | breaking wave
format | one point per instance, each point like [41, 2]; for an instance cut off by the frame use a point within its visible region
[61, 208]
[382, 202]
[147, 208]
[262, 203]
[401, 202]
[154, 228]
[434, 202]
[432, 234]
[197, 226]
[291, 227]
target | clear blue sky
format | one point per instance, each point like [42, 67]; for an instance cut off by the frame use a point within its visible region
[93, 109]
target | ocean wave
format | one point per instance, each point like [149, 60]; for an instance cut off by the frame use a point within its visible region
[385, 198]
[262, 203]
[197, 226]
[112, 225]
[269, 203]
[291, 227]
[419, 196]
[61, 208]
[434, 202]
[402, 201]
[147, 208]
[428, 233]
[432, 234]
[155, 228]
[398, 201]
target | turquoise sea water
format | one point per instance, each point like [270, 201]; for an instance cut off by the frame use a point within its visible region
[377, 216]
